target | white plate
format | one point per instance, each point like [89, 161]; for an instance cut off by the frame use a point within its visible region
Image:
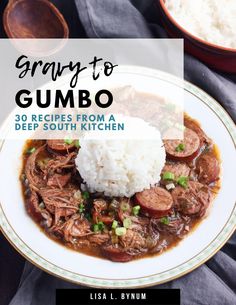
[194, 250]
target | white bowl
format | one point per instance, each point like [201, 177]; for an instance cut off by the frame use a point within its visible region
[190, 253]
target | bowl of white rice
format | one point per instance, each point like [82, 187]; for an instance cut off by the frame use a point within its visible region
[208, 28]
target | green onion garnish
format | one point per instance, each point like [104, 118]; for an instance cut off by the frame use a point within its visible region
[98, 227]
[31, 150]
[136, 210]
[180, 147]
[168, 176]
[165, 220]
[127, 223]
[120, 231]
[81, 208]
[85, 195]
[77, 144]
[95, 228]
[183, 181]
[114, 224]
[68, 141]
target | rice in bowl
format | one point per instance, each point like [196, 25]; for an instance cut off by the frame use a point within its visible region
[211, 20]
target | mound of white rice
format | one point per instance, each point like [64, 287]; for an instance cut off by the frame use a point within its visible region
[211, 20]
[122, 167]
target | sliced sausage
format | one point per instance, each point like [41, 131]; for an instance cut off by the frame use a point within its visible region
[207, 168]
[60, 146]
[191, 124]
[116, 254]
[191, 146]
[156, 202]
[195, 199]
[178, 169]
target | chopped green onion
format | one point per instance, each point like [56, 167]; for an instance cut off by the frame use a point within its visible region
[120, 231]
[95, 228]
[68, 141]
[180, 147]
[183, 181]
[165, 220]
[124, 206]
[127, 223]
[136, 210]
[31, 150]
[168, 176]
[98, 227]
[77, 144]
[81, 208]
[85, 195]
[114, 224]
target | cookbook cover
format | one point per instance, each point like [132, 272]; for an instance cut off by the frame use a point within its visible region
[117, 152]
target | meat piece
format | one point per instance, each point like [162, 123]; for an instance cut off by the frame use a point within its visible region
[33, 174]
[194, 200]
[61, 203]
[207, 168]
[61, 162]
[76, 226]
[175, 226]
[60, 146]
[99, 238]
[116, 254]
[156, 202]
[100, 207]
[58, 180]
[124, 208]
[190, 149]
[178, 169]
[32, 207]
[133, 242]
[191, 124]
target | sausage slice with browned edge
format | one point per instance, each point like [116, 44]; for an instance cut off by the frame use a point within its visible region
[193, 125]
[156, 202]
[116, 254]
[207, 168]
[183, 150]
[60, 146]
[178, 169]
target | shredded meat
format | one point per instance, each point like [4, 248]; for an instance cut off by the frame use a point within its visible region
[99, 239]
[58, 180]
[99, 206]
[133, 242]
[60, 202]
[33, 174]
[76, 226]
[61, 162]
